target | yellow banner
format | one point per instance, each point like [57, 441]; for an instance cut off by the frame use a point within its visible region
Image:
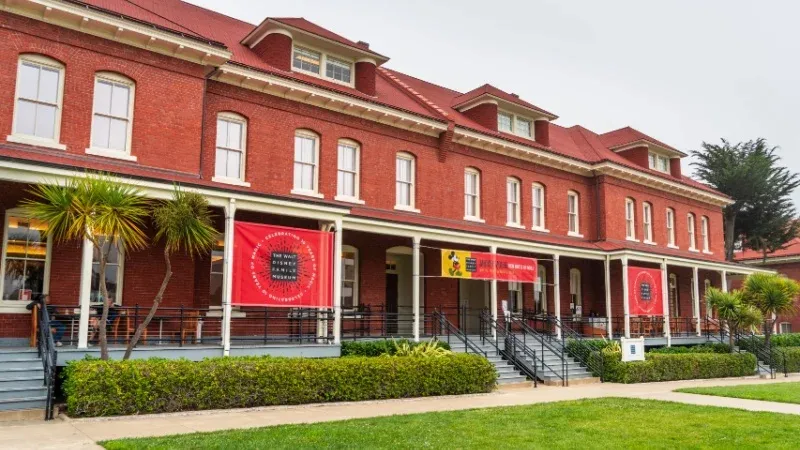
[454, 263]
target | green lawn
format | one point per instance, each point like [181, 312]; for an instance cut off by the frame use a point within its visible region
[600, 423]
[776, 392]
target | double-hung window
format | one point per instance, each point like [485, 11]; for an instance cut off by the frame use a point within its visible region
[704, 233]
[515, 297]
[217, 271]
[404, 181]
[38, 103]
[472, 194]
[231, 146]
[349, 277]
[112, 275]
[512, 123]
[306, 60]
[112, 116]
[670, 227]
[337, 69]
[573, 214]
[630, 219]
[658, 162]
[537, 200]
[540, 291]
[347, 171]
[505, 122]
[647, 222]
[512, 202]
[690, 227]
[306, 159]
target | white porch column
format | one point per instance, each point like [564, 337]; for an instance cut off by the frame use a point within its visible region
[626, 307]
[493, 294]
[227, 278]
[607, 267]
[337, 282]
[557, 293]
[724, 275]
[85, 292]
[665, 301]
[696, 292]
[415, 283]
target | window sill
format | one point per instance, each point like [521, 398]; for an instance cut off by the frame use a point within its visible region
[675, 247]
[106, 153]
[326, 78]
[694, 250]
[540, 229]
[307, 193]
[346, 199]
[14, 307]
[218, 313]
[515, 225]
[28, 140]
[406, 209]
[574, 234]
[232, 181]
[629, 239]
[649, 243]
[706, 252]
[474, 219]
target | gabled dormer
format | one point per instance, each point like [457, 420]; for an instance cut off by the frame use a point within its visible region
[644, 151]
[294, 44]
[507, 113]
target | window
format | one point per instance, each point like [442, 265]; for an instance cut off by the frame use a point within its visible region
[112, 115]
[113, 275]
[576, 296]
[647, 222]
[338, 69]
[690, 226]
[786, 328]
[404, 181]
[347, 174]
[217, 269]
[695, 313]
[671, 227]
[540, 291]
[231, 144]
[674, 296]
[306, 60]
[472, 194]
[630, 219]
[305, 162]
[704, 233]
[523, 127]
[349, 277]
[512, 123]
[573, 213]
[537, 200]
[26, 258]
[512, 202]
[515, 298]
[658, 162]
[504, 122]
[706, 287]
[39, 94]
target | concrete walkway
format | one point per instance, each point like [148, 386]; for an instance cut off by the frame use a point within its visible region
[67, 433]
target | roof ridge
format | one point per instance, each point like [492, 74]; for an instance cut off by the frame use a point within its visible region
[424, 101]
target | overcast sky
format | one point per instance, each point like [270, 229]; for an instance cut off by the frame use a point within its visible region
[681, 71]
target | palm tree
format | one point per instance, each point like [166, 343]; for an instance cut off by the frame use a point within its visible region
[98, 208]
[182, 224]
[733, 312]
[774, 295]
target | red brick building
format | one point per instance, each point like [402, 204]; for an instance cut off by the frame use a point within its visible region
[288, 123]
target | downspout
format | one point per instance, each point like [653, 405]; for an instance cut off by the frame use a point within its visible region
[203, 118]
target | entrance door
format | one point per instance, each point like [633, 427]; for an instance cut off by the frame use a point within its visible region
[474, 298]
[391, 303]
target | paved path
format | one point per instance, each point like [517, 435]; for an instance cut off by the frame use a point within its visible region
[83, 433]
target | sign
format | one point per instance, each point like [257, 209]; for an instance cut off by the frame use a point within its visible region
[488, 266]
[280, 266]
[632, 349]
[645, 292]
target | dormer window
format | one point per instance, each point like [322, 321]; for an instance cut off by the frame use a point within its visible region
[338, 69]
[659, 162]
[310, 61]
[306, 60]
[512, 123]
[504, 122]
[523, 127]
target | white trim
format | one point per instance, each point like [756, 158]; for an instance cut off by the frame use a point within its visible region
[306, 193]
[471, 172]
[39, 60]
[515, 225]
[118, 79]
[630, 219]
[13, 306]
[691, 231]
[669, 225]
[542, 208]
[231, 181]
[235, 119]
[30, 140]
[406, 209]
[106, 153]
[323, 64]
[299, 190]
[577, 231]
[704, 238]
[577, 235]
[355, 280]
[517, 183]
[346, 199]
[514, 118]
[673, 247]
[474, 219]
[355, 198]
[647, 223]
[411, 182]
[685, 262]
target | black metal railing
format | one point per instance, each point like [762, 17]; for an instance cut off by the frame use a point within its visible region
[47, 352]
[715, 331]
[367, 322]
[542, 342]
[583, 349]
[270, 325]
[762, 352]
[491, 331]
[683, 326]
[447, 332]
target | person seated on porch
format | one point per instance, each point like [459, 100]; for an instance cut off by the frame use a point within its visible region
[94, 321]
[57, 327]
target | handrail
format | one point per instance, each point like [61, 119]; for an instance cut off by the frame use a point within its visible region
[47, 351]
[737, 338]
[762, 353]
[585, 356]
[512, 346]
[450, 329]
[545, 342]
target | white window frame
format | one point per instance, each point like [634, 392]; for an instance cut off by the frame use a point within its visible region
[514, 118]
[647, 223]
[538, 213]
[513, 204]
[576, 232]
[17, 306]
[541, 285]
[706, 286]
[673, 287]
[411, 182]
[355, 280]
[704, 234]
[474, 196]
[655, 160]
[314, 191]
[323, 65]
[690, 226]
[630, 219]
[114, 78]
[516, 287]
[576, 290]
[120, 275]
[241, 120]
[670, 225]
[39, 60]
[787, 328]
[356, 197]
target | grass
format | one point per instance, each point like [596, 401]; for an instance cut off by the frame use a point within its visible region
[775, 392]
[599, 423]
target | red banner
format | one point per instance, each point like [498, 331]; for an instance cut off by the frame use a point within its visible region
[645, 292]
[487, 266]
[279, 266]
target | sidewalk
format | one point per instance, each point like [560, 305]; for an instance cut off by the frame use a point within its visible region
[83, 433]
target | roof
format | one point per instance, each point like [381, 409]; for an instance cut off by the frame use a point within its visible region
[792, 249]
[627, 135]
[309, 27]
[489, 90]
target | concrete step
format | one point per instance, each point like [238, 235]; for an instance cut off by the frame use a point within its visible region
[17, 373]
[13, 404]
[7, 354]
[21, 382]
[22, 392]
[21, 363]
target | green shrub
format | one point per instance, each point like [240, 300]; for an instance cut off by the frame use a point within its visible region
[778, 340]
[107, 388]
[581, 352]
[704, 348]
[381, 347]
[786, 359]
[682, 366]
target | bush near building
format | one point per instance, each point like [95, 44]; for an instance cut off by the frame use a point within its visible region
[680, 366]
[108, 388]
[786, 359]
[702, 348]
[381, 347]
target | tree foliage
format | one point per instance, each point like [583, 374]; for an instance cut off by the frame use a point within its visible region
[772, 295]
[733, 312]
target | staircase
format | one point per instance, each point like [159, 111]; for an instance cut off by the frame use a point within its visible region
[21, 380]
[553, 369]
[506, 372]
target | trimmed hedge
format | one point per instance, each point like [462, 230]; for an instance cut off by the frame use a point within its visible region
[380, 347]
[582, 352]
[108, 388]
[778, 340]
[671, 367]
[790, 356]
[704, 348]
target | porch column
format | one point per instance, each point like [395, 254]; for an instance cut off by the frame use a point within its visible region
[696, 291]
[493, 295]
[337, 282]
[625, 297]
[85, 293]
[227, 278]
[724, 276]
[415, 266]
[665, 301]
[557, 294]
[607, 267]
